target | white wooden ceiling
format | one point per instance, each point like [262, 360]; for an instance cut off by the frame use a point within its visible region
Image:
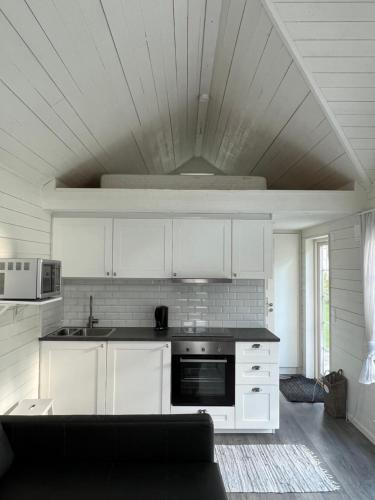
[121, 86]
[337, 43]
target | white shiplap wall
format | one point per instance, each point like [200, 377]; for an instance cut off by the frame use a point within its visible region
[337, 43]
[24, 232]
[347, 317]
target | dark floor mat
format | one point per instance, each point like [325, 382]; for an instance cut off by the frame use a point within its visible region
[299, 389]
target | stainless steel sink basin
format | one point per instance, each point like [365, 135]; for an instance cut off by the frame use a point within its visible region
[93, 332]
[83, 332]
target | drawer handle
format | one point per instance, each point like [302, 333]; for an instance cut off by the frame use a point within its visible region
[201, 411]
[256, 389]
[255, 346]
[256, 368]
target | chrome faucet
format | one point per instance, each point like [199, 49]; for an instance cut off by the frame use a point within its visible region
[92, 321]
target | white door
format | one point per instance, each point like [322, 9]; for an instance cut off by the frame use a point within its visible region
[201, 248]
[84, 245]
[142, 248]
[286, 298]
[73, 375]
[138, 378]
[257, 406]
[251, 249]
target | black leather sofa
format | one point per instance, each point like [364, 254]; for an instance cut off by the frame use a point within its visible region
[109, 458]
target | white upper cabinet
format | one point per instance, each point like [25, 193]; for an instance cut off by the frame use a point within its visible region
[142, 248]
[138, 378]
[201, 248]
[84, 245]
[252, 249]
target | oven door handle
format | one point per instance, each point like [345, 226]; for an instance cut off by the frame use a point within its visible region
[200, 360]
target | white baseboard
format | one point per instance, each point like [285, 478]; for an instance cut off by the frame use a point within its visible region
[370, 436]
[289, 371]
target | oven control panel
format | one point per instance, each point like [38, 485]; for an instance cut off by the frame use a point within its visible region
[203, 347]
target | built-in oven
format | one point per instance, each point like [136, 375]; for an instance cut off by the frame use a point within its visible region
[203, 373]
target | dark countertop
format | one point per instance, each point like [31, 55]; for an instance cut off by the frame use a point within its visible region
[149, 334]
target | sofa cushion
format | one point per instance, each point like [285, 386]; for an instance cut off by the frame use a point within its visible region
[113, 481]
[6, 453]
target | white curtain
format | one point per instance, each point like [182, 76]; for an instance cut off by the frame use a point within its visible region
[368, 241]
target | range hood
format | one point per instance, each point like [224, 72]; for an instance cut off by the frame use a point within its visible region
[202, 280]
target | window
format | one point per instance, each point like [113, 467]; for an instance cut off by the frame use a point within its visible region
[322, 308]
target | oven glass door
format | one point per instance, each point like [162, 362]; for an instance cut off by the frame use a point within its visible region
[202, 380]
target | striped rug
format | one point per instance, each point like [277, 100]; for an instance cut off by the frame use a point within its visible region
[272, 468]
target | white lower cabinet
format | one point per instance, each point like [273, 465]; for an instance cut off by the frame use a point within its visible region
[138, 378]
[257, 385]
[257, 407]
[73, 374]
[222, 416]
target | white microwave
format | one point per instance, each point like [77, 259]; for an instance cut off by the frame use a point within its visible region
[29, 279]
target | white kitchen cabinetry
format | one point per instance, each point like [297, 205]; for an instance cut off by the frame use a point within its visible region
[73, 374]
[251, 249]
[257, 407]
[138, 378]
[222, 416]
[142, 248]
[201, 248]
[257, 385]
[84, 245]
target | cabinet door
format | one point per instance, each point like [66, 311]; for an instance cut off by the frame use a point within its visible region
[73, 375]
[257, 406]
[142, 248]
[201, 248]
[138, 378]
[222, 416]
[84, 245]
[251, 249]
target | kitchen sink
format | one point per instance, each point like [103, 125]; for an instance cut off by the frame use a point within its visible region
[93, 332]
[83, 332]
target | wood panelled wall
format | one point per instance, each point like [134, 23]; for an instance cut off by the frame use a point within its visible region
[347, 316]
[24, 232]
[337, 43]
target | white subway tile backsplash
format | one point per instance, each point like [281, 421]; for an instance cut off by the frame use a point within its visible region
[132, 302]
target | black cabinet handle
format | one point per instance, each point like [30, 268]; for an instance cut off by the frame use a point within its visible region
[255, 368]
[256, 346]
[255, 389]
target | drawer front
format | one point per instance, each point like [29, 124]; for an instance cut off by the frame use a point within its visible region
[222, 416]
[257, 407]
[257, 373]
[266, 352]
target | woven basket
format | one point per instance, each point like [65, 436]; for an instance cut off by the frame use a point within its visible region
[335, 388]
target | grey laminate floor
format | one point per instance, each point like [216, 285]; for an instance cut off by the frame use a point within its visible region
[344, 451]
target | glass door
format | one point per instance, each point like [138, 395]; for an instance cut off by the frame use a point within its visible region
[323, 339]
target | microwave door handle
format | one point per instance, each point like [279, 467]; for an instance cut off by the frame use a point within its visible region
[200, 360]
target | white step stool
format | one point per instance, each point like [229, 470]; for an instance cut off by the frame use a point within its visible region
[34, 407]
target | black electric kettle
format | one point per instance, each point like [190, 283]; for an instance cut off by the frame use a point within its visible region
[161, 318]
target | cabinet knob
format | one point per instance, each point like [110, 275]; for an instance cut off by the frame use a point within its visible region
[255, 389]
[255, 346]
[107, 273]
[270, 310]
[167, 346]
[114, 274]
[202, 411]
[102, 346]
[174, 274]
[235, 275]
[256, 368]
